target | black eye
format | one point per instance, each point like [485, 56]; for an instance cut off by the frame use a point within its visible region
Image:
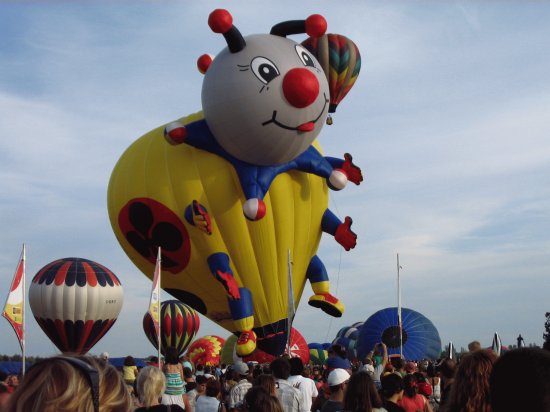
[305, 56]
[264, 69]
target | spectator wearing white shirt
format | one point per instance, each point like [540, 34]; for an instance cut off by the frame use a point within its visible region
[305, 385]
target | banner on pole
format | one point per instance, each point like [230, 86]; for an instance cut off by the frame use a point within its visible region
[154, 303]
[13, 309]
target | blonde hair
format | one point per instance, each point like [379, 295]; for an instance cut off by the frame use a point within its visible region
[56, 385]
[151, 384]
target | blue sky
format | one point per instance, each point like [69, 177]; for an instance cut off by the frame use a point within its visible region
[448, 120]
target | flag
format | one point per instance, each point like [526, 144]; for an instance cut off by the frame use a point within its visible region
[14, 307]
[154, 303]
[497, 345]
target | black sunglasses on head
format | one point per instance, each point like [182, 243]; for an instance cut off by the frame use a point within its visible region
[90, 373]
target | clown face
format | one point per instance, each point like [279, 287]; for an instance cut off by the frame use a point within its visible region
[266, 103]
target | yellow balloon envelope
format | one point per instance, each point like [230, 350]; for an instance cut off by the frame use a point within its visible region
[152, 185]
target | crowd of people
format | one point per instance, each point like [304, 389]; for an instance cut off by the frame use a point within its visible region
[480, 381]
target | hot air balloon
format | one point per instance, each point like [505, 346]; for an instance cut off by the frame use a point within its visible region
[420, 337]
[318, 353]
[341, 61]
[225, 205]
[228, 355]
[298, 348]
[206, 350]
[75, 301]
[179, 325]
[347, 337]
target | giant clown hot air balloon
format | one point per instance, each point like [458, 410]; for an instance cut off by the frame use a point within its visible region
[75, 301]
[420, 337]
[179, 325]
[341, 61]
[206, 350]
[228, 192]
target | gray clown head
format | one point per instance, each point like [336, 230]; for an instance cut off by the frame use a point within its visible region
[265, 97]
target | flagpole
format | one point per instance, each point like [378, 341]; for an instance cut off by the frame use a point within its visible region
[399, 309]
[159, 262]
[290, 313]
[23, 351]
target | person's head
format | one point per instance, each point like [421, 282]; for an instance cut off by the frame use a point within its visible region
[470, 390]
[337, 350]
[129, 361]
[361, 394]
[447, 368]
[398, 363]
[280, 368]
[12, 380]
[410, 367]
[105, 356]
[63, 383]
[171, 356]
[337, 380]
[212, 388]
[474, 346]
[267, 382]
[150, 385]
[187, 373]
[410, 385]
[392, 384]
[241, 369]
[296, 366]
[201, 381]
[258, 399]
[520, 380]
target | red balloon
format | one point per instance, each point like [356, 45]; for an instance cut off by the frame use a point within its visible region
[298, 349]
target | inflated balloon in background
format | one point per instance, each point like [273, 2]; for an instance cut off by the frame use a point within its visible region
[229, 355]
[179, 325]
[298, 349]
[341, 61]
[420, 337]
[75, 301]
[318, 353]
[347, 337]
[206, 350]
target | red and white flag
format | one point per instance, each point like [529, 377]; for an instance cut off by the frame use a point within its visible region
[14, 307]
[154, 303]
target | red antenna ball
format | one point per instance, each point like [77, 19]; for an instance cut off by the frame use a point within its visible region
[220, 21]
[316, 25]
[204, 62]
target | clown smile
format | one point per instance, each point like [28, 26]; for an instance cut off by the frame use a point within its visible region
[304, 127]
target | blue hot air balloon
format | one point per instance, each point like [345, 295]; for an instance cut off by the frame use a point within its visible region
[347, 337]
[420, 337]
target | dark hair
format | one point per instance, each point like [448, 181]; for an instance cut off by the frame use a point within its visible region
[171, 355]
[392, 383]
[200, 379]
[398, 363]
[447, 368]
[258, 399]
[212, 388]
[129, 361]
[296, 366]
[338, 350]
[470, 390]
[361, 394]
[410, 385]
[520, 380]
[280, 368]
[266, 381]
[187, 372]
